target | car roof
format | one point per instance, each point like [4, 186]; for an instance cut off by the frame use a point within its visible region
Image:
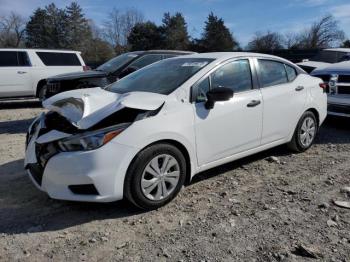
[40, 50]
[163, 52]
[221, 56]
[347, 50]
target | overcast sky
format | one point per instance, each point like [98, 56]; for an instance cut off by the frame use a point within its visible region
[244, 18]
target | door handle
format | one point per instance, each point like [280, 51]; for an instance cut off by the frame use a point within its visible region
[21, 72]
[299, 88]
[254, 103]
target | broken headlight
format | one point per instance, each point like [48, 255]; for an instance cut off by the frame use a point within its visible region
[91, 140]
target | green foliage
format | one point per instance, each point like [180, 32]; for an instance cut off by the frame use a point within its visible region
[145, 36]
[174, 32]
[51, 27]
[266, 42]
[216, 36]
[78, 29]
[346, 44]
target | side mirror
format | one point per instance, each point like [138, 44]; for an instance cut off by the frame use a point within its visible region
[216, 95]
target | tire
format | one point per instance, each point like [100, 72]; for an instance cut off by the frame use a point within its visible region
[300, 142]
[42, 93]
[140, 177]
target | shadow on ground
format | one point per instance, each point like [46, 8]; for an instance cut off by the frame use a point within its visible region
[23, 208]
[335, 130]
[20, 103]
[15, 126]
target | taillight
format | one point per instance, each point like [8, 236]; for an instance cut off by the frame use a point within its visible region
[324, 86]
[86, 68]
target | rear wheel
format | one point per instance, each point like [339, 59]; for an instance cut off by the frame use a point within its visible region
[155, 177]
[305, 132]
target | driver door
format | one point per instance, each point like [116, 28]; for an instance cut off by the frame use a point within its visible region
[232, 126]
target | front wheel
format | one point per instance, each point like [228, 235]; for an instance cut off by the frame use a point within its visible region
[305, 132]
[155, 176]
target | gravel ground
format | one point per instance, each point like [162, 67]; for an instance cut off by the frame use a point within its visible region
[260, 208]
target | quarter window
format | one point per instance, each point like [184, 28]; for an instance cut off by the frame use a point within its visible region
[272, 73]
[59, 59]
[291, 73]
[235, 75]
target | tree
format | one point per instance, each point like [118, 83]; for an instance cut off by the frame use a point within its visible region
[98, 51]
[216, 36]
[322, 34]
[174, 32]
[119, 25]
[145, 36]
[47, 28]
[292, 40]
[346, 44]
[266, 42]
[78, 29]
[12, 29]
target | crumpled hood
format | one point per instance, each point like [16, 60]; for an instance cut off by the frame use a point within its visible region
[86, 107]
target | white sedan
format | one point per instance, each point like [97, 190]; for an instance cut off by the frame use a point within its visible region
[142, 138]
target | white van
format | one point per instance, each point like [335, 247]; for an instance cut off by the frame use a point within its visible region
[23, 72]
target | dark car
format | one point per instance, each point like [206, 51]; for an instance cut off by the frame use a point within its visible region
[108, 72]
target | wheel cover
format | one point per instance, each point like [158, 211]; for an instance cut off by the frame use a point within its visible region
[307, 131]
[160, 177]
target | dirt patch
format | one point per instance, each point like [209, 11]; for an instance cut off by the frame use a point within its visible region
[259, 208]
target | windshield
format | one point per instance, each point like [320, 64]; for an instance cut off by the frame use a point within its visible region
[329, 56]
[162, 77]
[115, 63]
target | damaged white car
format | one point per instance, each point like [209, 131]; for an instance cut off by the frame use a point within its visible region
[143, 137]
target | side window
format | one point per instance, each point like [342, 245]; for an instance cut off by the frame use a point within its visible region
[201, 90]
[59, 59]
[23, 59]
[291, 73]
[235, 75]
[146, 60]
[272, 73]
[8, 58]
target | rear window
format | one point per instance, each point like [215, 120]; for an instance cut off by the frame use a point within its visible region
[14, 58]
[272, 73]
[59, 59]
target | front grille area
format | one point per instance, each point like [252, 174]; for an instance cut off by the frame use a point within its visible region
[54, 121]
[53, 87]
[344, 90]
[36, 171]
[44, 152]
[344, 79]
[342, 109]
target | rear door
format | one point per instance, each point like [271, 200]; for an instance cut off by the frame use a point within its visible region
[284, 96]
[15, 74]
[232, 126]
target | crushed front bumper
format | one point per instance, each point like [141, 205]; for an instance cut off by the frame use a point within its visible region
[68, 175]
